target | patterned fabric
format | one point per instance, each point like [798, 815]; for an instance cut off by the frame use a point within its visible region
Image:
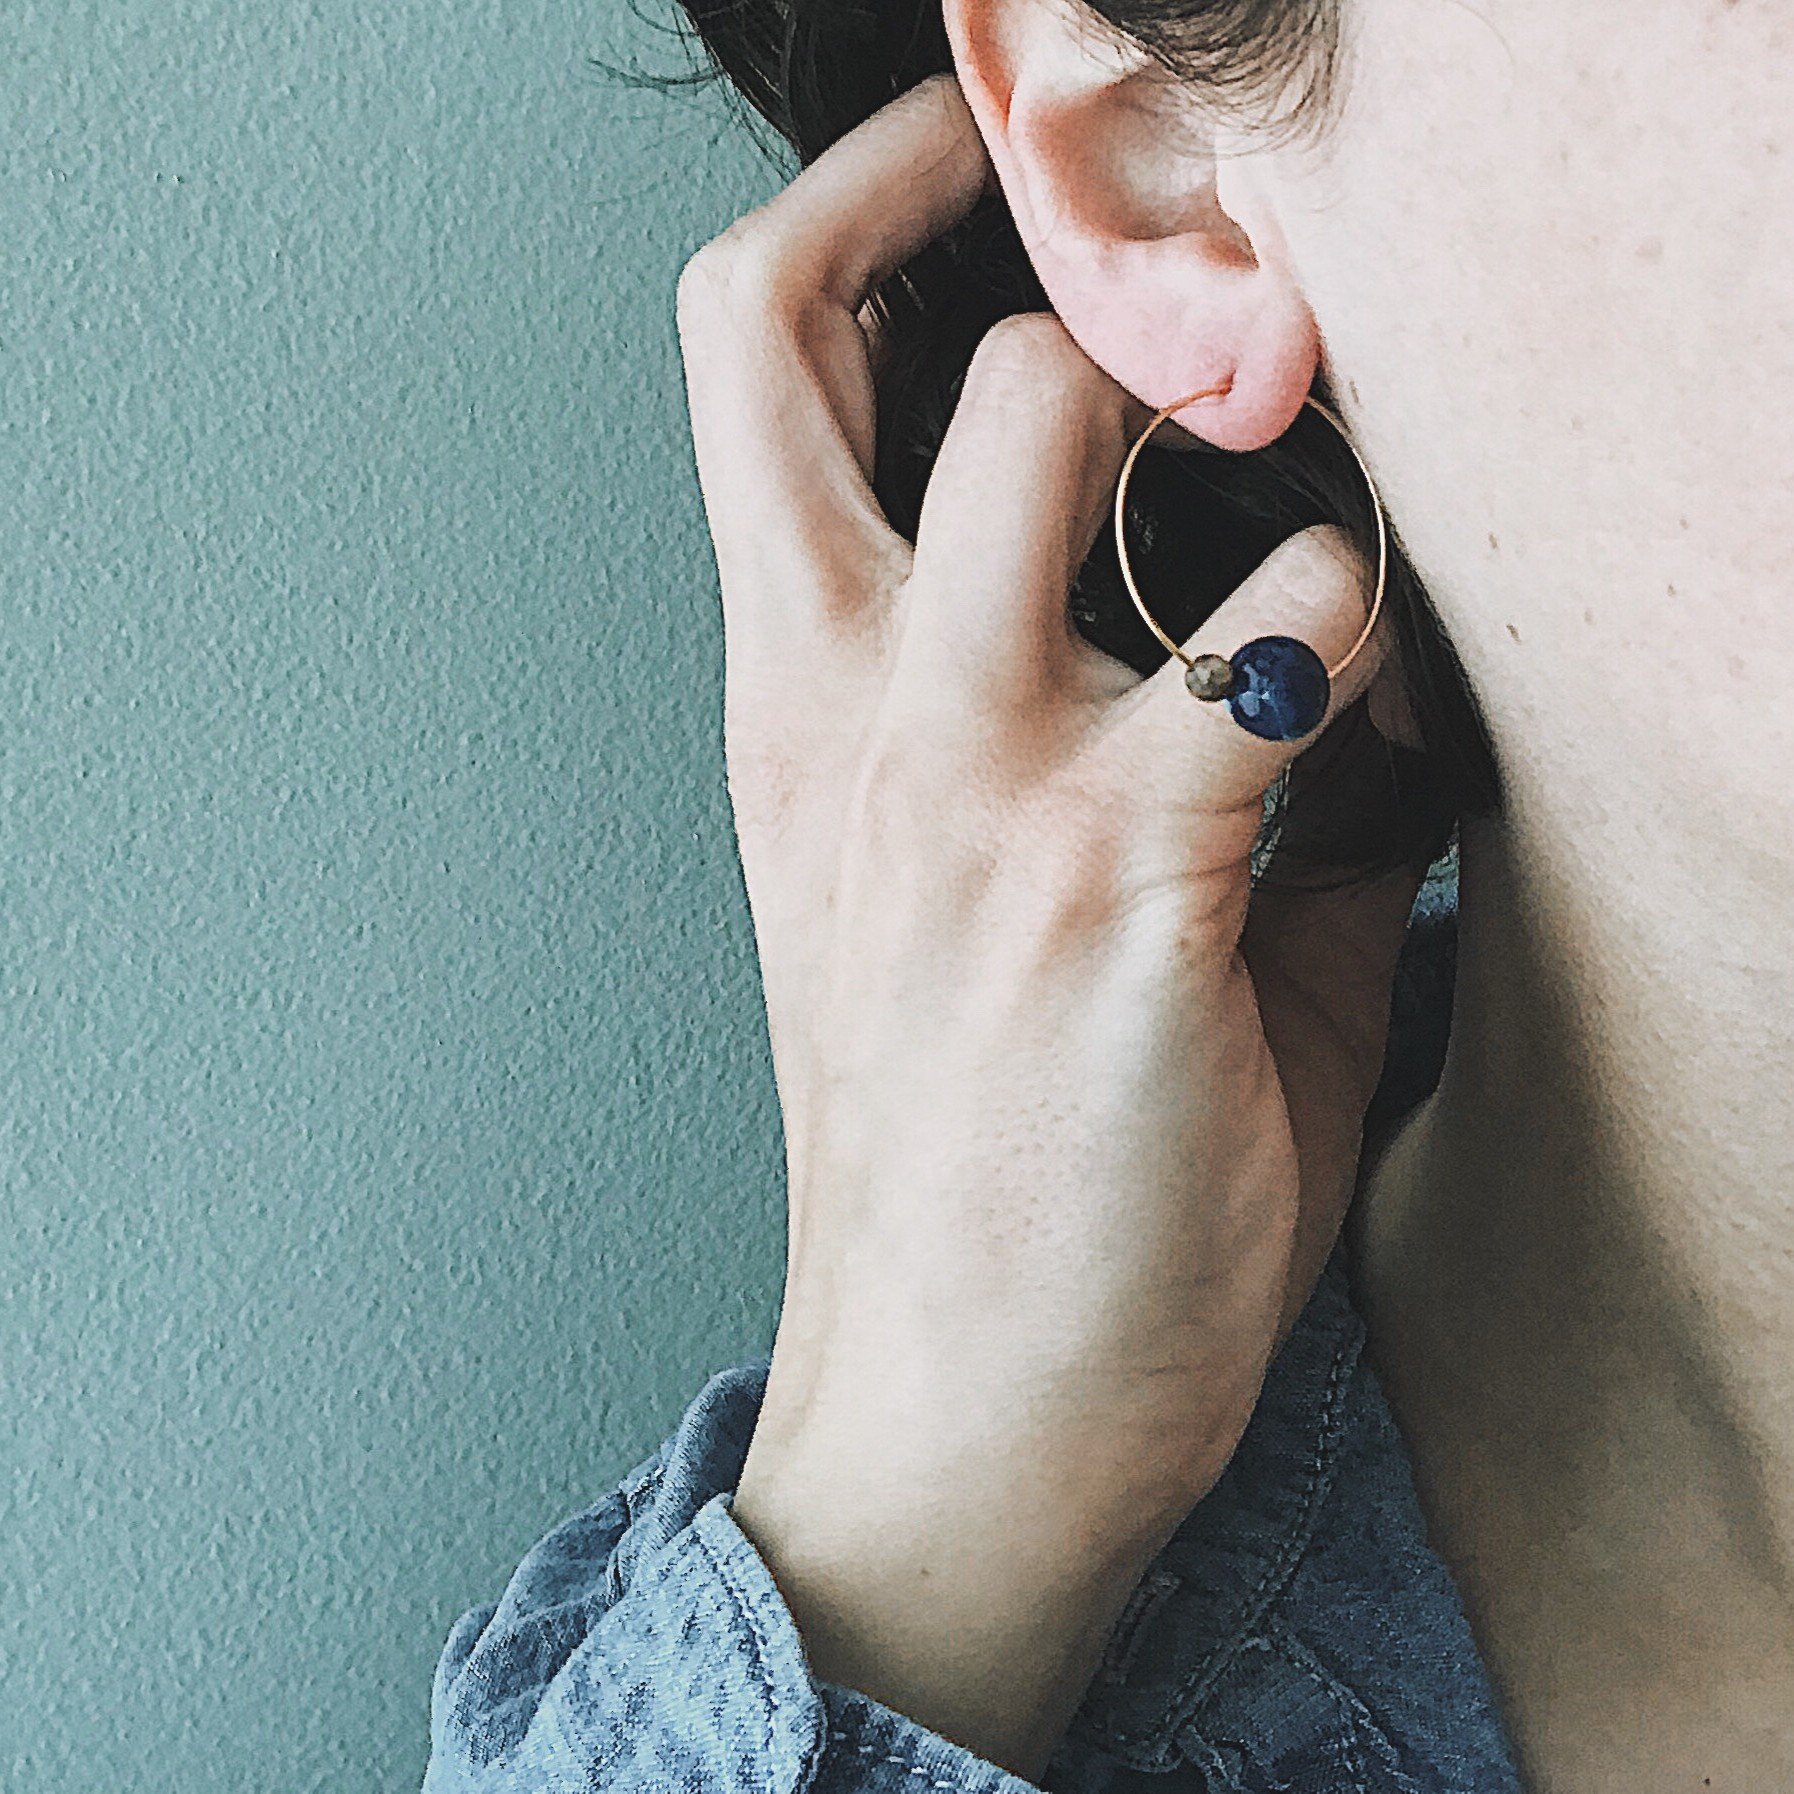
[1297, 1635]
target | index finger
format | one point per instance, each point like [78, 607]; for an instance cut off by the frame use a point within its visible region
[780, 384]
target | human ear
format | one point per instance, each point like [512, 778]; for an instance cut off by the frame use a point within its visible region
[1139, 216]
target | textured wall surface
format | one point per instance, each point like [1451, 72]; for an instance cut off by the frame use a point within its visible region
[387, 1142]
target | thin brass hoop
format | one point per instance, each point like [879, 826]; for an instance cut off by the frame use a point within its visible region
[1127, 570]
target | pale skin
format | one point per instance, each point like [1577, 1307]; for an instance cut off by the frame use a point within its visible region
[999, 886]
[1065, 1152]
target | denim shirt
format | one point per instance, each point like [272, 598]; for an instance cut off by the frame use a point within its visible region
[1297, 1634]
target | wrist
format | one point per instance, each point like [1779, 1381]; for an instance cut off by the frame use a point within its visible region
[1079, 1463]
[977, 1610]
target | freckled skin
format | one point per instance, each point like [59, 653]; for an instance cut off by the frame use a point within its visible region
[1580, 1261]
[1547, 252]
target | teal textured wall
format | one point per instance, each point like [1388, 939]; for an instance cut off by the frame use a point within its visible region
[387, 1142]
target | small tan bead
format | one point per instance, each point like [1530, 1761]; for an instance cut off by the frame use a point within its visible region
[1209, 677]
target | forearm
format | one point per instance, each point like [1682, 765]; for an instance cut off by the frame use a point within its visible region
[979, 1611]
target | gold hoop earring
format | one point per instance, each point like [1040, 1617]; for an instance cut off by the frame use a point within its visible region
[1276, 686]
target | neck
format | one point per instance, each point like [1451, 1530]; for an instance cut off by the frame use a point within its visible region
[1578, 1266]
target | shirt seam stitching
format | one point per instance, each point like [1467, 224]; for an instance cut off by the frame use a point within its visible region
[762, 1668]
[873, 1754]
[1276, 1577]
[1357, 1719]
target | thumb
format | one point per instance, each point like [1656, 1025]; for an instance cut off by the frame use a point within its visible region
[1316, 587]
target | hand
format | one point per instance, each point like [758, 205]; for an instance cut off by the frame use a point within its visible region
[1071, 1116]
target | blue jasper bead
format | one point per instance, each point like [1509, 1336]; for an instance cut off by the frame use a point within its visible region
[1280, 687]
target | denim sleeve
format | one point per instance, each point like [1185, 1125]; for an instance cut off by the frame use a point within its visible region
[643, 1647]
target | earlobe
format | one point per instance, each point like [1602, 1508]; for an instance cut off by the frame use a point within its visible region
[1110, 174]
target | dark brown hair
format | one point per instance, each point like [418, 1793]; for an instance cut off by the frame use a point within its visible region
[1199, 522]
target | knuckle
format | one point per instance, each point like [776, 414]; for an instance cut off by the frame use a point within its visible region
[1029, 362]
[768, 774]
[1319, 583]
[706, 282]
[1023, 345]
[1324, 556]
[700, 281]
[765, 787]
[737, 277]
